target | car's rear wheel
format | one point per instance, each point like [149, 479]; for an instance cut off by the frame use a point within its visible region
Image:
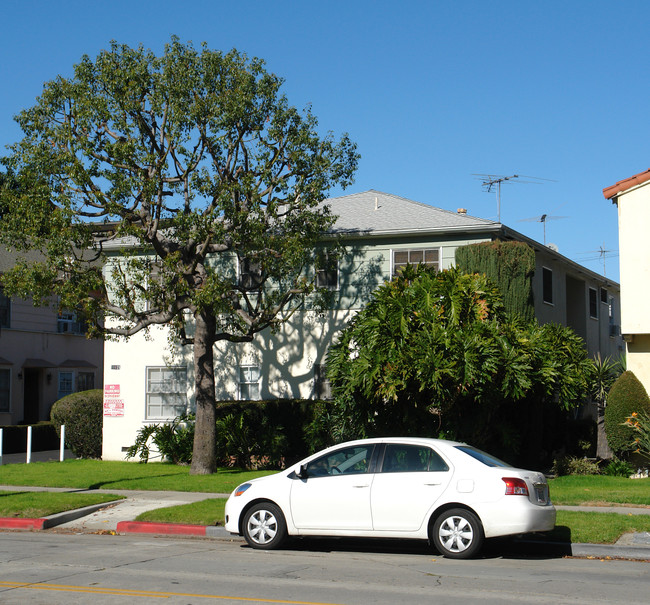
[264, 526]
[457, 534]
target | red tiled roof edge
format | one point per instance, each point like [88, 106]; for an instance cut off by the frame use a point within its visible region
[625, 184]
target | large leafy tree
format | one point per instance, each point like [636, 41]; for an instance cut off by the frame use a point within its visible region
[195, 168]
[435, 353]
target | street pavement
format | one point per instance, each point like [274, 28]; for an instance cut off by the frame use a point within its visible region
[119, 517]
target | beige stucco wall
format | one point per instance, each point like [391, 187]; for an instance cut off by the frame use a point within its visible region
[634, 255]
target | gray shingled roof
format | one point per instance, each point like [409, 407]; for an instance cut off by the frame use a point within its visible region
[375, 212]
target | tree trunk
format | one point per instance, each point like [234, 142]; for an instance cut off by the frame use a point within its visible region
[204, 456]
[603, 451]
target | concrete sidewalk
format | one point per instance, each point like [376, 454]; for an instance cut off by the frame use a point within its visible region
[120, 518]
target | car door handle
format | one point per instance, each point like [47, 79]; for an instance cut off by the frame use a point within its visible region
[359, 486]
[432, 484]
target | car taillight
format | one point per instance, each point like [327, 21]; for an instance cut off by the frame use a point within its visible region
[515, 486]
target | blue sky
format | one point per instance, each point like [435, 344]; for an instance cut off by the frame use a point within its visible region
[432, 92]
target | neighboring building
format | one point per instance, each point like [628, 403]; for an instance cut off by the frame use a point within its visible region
[632, 197]
[44, 355]
[147, 382]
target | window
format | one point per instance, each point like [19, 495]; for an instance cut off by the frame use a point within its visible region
[5, 309]
[69, 322]
[327, 274]
[593, 303]
[322, 387]
[66, 383]
[347, 461]
[547, 285]
[604, 296]
[249, 383]
[401, 458]
[166, 392]
[85, 381]
[250, 274]
[429, 257]
[5, 393]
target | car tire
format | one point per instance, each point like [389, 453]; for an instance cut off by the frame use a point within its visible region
[264, 526]
[457, 534]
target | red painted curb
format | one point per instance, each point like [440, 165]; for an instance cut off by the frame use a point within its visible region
[140, 527]
[20, 523]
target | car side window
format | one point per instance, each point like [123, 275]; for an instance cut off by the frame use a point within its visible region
[346, 461]
[403, 458]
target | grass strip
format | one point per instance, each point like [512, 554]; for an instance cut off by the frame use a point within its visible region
[34, 505]
[206, 512]
[571, 527]
[596, 528]
[107, 474]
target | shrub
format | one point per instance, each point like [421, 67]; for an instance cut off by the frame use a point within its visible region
[174, 441]
[82, 415]
[626, 396]
[618, 468]
[573, 465]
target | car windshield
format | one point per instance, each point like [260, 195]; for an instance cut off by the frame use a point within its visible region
[477, 454]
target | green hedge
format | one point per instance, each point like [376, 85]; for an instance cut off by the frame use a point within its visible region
[82, 415]
[14, 438]
[626, 396]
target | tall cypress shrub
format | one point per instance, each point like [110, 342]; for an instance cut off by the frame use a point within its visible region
[626, 396]
[509, 265]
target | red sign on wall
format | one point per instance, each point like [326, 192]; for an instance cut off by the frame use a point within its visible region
[113, 402]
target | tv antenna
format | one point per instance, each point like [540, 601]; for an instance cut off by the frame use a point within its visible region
[542, 219]
[492, 181]
[602, 253]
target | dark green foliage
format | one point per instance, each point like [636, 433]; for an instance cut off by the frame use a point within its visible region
[509, 265]
[82, 415]
[626, 396]
[434, 354]
[14, 438]
[173, 441]
[264, 434]
[618, 468]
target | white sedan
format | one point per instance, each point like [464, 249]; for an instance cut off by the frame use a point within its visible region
[446, 492]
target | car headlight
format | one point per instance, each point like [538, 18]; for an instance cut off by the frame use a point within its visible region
[242, 488]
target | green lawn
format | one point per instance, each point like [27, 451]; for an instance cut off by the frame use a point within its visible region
[206, 512]
[98, 474]
[33, 505]
[574, 490]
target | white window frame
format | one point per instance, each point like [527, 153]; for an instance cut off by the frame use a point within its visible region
[246, 382]
[177, 389]
[64, 392]
[395, 266]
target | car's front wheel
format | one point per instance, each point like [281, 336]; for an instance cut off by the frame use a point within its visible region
[457, 534]
[264, 526]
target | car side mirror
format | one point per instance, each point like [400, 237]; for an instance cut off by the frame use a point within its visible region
[302, 472]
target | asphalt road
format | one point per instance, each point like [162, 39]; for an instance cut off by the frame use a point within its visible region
[57, 568]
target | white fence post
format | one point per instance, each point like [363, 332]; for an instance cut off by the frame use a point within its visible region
[62, 444]
[29, 444]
